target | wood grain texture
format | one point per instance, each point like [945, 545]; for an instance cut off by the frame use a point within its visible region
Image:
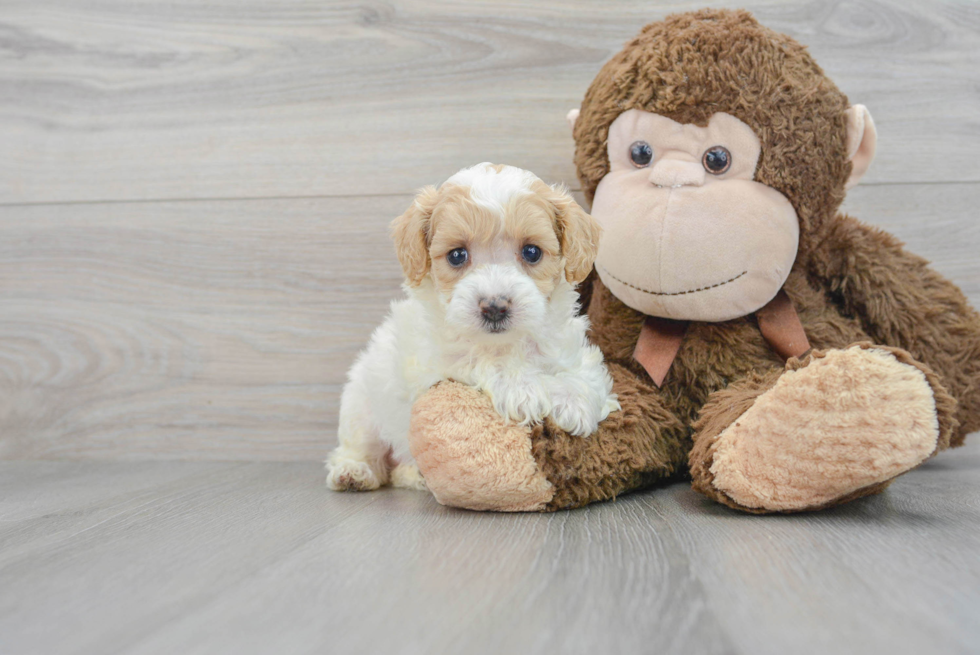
[178, 557]
[224, 329]
[186, 329]
[144, 100]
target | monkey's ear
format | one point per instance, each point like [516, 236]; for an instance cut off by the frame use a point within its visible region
[578, 235]
[571, 117]
[410, 232]
[862, 138]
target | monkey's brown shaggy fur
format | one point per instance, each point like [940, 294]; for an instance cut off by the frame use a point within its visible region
[851, 283]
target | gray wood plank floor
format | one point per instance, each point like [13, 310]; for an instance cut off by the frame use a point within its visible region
[197, 557]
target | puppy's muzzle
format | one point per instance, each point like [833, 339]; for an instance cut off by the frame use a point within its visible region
[495, 312]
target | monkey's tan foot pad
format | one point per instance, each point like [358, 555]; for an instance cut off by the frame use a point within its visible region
[470, 457]
[847, 421]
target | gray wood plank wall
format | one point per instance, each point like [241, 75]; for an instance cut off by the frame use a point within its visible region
[194, 195]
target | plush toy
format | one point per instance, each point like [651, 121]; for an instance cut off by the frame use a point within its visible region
[782, 355]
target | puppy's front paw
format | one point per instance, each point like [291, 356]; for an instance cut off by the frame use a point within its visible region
[575, 416]
[523, 401]
[346, 474]
[612, 405]
[573, 421]
[407, 476]
[580, 416]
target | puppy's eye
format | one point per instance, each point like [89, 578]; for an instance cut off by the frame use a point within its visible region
[457, 257]
[641, 154]
[717, 160]
[531, 254]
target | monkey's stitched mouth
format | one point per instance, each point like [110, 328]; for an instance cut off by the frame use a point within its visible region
[675, 293]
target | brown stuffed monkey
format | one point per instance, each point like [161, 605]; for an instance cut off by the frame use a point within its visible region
[782, 355]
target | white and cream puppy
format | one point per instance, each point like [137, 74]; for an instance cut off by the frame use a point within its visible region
[491, 259]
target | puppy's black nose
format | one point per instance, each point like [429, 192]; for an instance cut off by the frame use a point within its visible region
[494, 310]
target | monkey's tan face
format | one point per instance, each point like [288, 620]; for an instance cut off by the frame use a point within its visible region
[687, 233]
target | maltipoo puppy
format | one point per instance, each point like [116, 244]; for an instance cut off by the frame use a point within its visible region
[491, 259]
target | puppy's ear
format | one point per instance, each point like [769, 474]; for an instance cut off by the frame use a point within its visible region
[578, 234]
[410, 232]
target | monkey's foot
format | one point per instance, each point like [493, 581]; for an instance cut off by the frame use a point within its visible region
[840, 425]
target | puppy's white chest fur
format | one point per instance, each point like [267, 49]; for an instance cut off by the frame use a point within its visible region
[552, 370]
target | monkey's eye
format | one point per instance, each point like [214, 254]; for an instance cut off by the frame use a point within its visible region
[641, 154]
[531, 254]
[717, 160]
[457, 257]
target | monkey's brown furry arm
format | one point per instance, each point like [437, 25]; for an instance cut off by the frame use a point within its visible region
[641, 444]
[472, 458]
[902, 302]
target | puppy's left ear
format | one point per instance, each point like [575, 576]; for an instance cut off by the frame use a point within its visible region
[410, 232]
[578, 234]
